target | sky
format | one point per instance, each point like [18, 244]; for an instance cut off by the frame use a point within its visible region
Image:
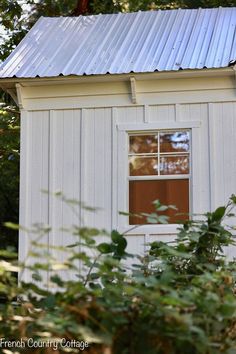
[26, 8]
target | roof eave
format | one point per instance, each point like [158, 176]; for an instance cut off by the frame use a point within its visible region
[9, 83]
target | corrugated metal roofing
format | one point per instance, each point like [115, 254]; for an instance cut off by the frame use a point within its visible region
[124, 43]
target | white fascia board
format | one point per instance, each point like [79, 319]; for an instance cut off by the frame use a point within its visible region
[10, 82]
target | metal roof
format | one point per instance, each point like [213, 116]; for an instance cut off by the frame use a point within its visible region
[125, 42]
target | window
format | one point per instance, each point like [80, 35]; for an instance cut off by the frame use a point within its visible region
[159, 168]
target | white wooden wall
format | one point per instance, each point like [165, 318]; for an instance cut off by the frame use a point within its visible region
[81, 150]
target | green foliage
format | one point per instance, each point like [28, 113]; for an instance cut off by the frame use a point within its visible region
[9, 174]
[178, 298]
[16, 18]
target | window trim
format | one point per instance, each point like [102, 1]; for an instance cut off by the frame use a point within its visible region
[159, 154]
[123, 131]
[132, 127]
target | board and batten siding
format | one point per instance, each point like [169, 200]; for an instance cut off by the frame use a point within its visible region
[81, 151]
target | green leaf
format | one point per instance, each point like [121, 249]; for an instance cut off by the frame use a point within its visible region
[124, 213]
[105, 248]
[162, 208]
[115, 236]
[7, 254]
[94, 276]
[227, 309]
[37, 276]
[122, 244]
[172, 207]
[12, 226]
[156, 203]
[49, 302]
[233, 198]
[194, 236]
[57, 280]
[152, 218]
[163, 219]
[218, 214]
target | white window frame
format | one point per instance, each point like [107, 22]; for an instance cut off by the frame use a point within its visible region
[122, 198]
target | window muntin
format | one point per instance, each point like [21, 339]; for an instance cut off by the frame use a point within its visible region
[159, 168]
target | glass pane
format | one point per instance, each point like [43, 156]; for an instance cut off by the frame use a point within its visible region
[173, 191]
[174, 165]
[142, 166]
[142, 144]
[174, 141]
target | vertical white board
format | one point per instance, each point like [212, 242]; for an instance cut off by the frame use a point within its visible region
[162, 113]
[97, 162]
[64, 177]
[34, 174]
[222, 131]
[200, 161]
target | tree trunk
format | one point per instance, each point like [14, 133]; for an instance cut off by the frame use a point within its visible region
[81, 8]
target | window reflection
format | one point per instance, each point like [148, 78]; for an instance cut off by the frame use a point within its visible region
[174, 141]
[143, 144]
[159, 169]
[168, 149]
[170, 165]
[141, 166]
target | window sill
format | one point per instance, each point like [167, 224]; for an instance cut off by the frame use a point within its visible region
[164, 229]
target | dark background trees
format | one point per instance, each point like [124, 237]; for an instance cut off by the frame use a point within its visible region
[16, 18]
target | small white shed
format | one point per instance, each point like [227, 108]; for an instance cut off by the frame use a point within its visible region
[121, 109]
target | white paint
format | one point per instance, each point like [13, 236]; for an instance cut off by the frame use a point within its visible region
[20, 101]
[77, 143]
[34, 175]
[133, 90]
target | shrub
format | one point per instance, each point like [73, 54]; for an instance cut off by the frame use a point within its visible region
[179, 298]
[9, 174]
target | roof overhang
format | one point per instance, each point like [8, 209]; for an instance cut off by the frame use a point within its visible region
[9, 83]
[13, 85]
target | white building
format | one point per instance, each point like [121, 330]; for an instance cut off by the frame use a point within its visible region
[118, 110]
